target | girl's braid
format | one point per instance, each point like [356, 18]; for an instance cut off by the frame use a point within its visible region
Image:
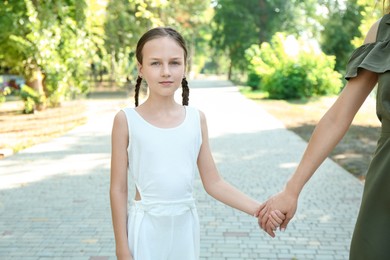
[136, 91]
[186, 91]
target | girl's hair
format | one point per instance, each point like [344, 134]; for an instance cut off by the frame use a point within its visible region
[152, 34]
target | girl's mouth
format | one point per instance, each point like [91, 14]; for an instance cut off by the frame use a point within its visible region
[166, 82]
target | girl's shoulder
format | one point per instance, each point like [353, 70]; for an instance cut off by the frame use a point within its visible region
[195, 111]
[123, 115]
[128, 112]
[127, 109]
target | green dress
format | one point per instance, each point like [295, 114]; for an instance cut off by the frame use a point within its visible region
[371, 237]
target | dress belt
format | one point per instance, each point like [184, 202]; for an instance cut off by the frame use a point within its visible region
[159, 208]
[165, 208]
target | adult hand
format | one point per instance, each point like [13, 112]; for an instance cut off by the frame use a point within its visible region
[275, 219]
[283, 201]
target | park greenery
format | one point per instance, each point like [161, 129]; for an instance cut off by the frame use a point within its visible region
[291, 69]
[63, 47]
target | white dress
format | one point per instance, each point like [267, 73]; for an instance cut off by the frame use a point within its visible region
[164, 224]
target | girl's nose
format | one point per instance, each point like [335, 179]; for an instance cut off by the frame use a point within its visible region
[165, 72]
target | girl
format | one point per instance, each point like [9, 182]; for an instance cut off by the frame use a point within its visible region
[368, 66]
[161, 143]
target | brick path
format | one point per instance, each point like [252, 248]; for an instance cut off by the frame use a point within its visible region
[54, 200]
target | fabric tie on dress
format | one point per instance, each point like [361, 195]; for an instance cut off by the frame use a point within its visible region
[165, 208]
[158, 209]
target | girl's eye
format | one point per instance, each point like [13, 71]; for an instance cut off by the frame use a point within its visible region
[155, 63]
[175, 63]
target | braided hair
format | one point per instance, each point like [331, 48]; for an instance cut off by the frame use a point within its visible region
[136, 91]
[157, 33]
[186, 91]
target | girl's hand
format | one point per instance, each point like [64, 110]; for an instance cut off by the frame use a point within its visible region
[284, 203]
[275, 219]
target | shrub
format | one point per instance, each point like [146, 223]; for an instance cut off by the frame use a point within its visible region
[32, 99]
[4, 92]
[253, 80]
[306, 73]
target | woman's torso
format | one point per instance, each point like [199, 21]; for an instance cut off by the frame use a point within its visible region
[383, 92]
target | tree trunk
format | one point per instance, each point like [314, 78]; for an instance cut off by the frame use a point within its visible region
[36, 81]
[112, 70]
[230, 70]
[263, 21]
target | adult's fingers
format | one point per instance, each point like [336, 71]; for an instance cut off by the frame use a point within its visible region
[283, 226]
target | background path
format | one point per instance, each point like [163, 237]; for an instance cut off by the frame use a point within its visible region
[54, 197]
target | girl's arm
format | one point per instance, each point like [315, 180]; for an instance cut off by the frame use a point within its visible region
[118, 184]
[215, 185]
[327, 134]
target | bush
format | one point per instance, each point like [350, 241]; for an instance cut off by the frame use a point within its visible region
[32, 99]
[253, 80]
[305, 74]
[4, 92]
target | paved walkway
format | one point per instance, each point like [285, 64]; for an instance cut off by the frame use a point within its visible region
[54, 197]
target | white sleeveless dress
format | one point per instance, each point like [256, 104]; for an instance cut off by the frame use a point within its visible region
[164, 224]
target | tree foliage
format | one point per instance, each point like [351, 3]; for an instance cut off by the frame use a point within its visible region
[127, 20]
[235, 29]
[64, 40]
[239, 24]
[339, 30]
[370, 13]
[47, 38]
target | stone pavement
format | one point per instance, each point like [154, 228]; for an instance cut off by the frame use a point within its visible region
[54, 197]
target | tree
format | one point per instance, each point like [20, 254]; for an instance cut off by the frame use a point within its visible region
[122, 29]
[234, 30]
[239, 24]
[127, 20]
[370, 13]
[339, 29]
[47, 43]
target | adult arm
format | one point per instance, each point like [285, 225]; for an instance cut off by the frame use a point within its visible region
[327, 134]
[118, 185]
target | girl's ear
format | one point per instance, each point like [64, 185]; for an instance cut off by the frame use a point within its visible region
[139, 68]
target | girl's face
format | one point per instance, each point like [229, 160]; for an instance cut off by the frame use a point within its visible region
[163, 66]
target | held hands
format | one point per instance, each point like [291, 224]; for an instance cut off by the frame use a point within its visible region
[276, 212]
